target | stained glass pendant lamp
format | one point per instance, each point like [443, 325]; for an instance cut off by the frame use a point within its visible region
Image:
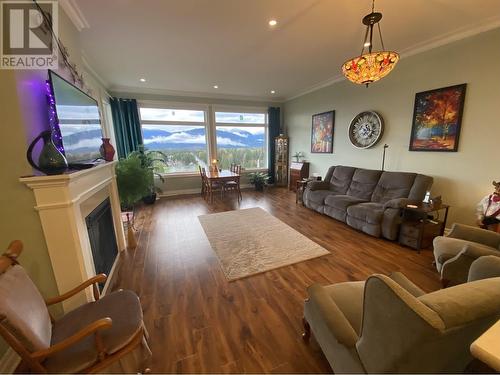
[371, 66]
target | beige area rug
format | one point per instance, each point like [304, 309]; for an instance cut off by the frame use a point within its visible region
[252, 241]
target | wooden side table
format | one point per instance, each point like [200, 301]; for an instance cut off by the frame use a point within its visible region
[300, 187]
[417, 229]
[299, 190]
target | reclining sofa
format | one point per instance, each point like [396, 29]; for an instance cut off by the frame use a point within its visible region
[365, 199]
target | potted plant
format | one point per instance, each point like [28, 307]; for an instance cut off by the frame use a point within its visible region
[259, 180]
[134, 181]
[298, 155]
[150, 161]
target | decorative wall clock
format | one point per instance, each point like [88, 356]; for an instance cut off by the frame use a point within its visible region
[366, 129]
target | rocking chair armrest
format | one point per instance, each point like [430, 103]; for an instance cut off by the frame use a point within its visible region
[92, 281]
[92, 328]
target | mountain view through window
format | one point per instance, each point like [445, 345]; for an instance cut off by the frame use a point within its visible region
[181, 135]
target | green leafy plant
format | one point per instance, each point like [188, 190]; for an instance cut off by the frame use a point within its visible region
[134, 181]
[259, 179]
[151, 161]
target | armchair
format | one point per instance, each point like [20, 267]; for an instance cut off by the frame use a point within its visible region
[389, 325]
[455, 252]
[107, 335]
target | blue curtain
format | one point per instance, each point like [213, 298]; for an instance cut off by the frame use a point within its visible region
[274, 131]
[127, 125]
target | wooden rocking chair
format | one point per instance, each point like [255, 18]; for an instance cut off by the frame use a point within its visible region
[107, 335]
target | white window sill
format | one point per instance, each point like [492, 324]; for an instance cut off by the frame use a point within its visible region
[196, 174]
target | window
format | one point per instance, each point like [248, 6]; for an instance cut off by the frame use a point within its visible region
[241, 139]
[180, 134]
[192, 134]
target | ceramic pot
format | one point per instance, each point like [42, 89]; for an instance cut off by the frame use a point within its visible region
[107, 150]
[50, 161]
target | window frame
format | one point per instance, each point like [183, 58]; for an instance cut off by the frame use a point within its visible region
[243, 109]
[210, 126]
[178, 106]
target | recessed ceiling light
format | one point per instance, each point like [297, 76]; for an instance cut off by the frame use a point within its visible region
[142, 79]
[273, 22]
[273, 92]
[216, 87]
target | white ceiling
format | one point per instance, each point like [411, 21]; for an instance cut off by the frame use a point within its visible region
[187, 46]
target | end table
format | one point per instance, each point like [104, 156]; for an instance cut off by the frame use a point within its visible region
[299, 191]
[419, 228]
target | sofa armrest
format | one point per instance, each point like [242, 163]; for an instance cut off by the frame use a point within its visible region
[406, 284]
[473, 234]
[456, 269]
[484, 268]
[318, 185]
[400, 203]
[477, 250]
[333, 317]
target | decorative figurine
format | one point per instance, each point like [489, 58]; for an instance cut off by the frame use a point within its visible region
[488, 210]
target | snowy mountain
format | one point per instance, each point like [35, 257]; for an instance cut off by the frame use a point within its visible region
[158, 139]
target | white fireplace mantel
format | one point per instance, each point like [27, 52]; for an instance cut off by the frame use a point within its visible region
[63, 201]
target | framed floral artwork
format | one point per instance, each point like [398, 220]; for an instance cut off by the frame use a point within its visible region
[322, 132]
[437, 118]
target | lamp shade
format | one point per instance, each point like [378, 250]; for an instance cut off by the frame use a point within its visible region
[370, 67]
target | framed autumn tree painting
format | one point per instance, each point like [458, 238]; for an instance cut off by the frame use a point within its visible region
[437, 117]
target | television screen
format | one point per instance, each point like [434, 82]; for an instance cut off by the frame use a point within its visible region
[79, 121]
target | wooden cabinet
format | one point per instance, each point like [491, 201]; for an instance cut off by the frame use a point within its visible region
[281, 160]
[298, 171]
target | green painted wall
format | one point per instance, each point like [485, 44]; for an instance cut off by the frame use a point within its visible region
[464, 177]
[23, 115]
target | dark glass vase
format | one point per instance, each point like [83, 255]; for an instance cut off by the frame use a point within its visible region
[51, 161]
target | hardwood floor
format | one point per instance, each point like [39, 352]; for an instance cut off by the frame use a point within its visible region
[200, 322]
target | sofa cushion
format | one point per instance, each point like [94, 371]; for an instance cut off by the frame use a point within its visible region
[341, 202]
[318, 196]
[393, 185]
[363, 183]
[341, 179]
[370, 212]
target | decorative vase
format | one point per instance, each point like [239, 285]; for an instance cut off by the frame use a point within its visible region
[107, 150]
[51, 161]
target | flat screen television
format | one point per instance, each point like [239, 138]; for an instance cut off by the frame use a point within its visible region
[79, 121]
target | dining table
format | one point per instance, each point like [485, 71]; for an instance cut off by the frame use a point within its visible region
[221, 176]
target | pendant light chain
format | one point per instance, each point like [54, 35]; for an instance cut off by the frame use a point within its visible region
[380, 35]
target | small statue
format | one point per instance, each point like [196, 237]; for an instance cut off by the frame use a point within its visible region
[488, 210]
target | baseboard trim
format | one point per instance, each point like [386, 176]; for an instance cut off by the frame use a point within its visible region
[172, 193]
[9, 362]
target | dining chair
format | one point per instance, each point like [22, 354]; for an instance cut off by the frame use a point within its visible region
[234, 185]
[200, 169]
[210, 187]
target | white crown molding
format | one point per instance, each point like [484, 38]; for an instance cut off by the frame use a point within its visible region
[191, 94]
[75, 14]
[88, 68]
[454, 36]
